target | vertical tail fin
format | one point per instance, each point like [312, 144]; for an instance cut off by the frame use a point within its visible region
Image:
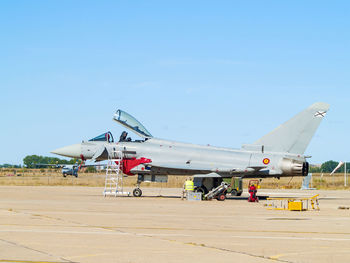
[295, 135]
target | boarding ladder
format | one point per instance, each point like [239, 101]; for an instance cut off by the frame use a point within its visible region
[114, 175]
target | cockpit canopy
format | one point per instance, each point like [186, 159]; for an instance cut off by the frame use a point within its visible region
[131, 123]
[104, 137]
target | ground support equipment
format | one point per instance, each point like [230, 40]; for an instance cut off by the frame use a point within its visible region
[114, 175]
[219, 192]
[294, 204]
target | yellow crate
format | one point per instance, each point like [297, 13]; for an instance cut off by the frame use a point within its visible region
[295, 206]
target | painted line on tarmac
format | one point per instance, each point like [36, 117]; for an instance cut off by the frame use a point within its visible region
[294, 238]
[168, 235]
[162, 238]
[276, 257]
[90, 255]
[165, 235]
[32, 249]
[28, 261]
[318, 252]
[230, 251]
[214, 229]
[281, 193]
[62, 232]
[90, 232]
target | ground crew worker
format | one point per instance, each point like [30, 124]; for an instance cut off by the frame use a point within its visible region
[252, 193]
[188, 187]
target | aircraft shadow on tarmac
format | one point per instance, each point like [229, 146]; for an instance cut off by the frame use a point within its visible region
[264, 197]
[178, 197]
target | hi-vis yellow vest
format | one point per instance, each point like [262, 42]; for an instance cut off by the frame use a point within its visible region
[189, 186]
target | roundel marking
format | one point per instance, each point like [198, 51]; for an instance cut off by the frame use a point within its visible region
[266, 161]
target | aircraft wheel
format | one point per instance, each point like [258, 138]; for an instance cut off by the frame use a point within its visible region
[137, 192]
[221, 197]
[201, 189]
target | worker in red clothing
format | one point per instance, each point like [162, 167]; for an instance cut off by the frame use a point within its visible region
[252, 194]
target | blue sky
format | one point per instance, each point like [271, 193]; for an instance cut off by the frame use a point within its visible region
[209, 72]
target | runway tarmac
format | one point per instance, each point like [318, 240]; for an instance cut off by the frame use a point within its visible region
[77, 224]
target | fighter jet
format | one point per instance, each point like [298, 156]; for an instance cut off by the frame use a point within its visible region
[279, 153]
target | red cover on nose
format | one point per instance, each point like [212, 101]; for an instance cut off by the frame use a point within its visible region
[128, 164]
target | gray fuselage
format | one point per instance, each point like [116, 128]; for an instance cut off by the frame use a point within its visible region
[176, 158]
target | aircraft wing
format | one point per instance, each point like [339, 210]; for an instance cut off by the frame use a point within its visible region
[210, 175]
[176, 168]
[49, 164]
[207, 168]
[93, 165]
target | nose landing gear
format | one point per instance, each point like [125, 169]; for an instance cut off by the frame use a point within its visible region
[137, 192]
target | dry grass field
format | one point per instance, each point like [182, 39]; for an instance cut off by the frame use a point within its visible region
[51, 177]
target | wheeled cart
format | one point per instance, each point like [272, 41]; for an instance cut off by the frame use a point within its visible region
[219, 192]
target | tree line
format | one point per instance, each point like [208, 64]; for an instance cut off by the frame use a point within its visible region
[7, 165]
[328, 167]
[38, 161]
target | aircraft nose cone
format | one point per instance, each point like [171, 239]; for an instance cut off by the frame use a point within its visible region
[73, 151]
